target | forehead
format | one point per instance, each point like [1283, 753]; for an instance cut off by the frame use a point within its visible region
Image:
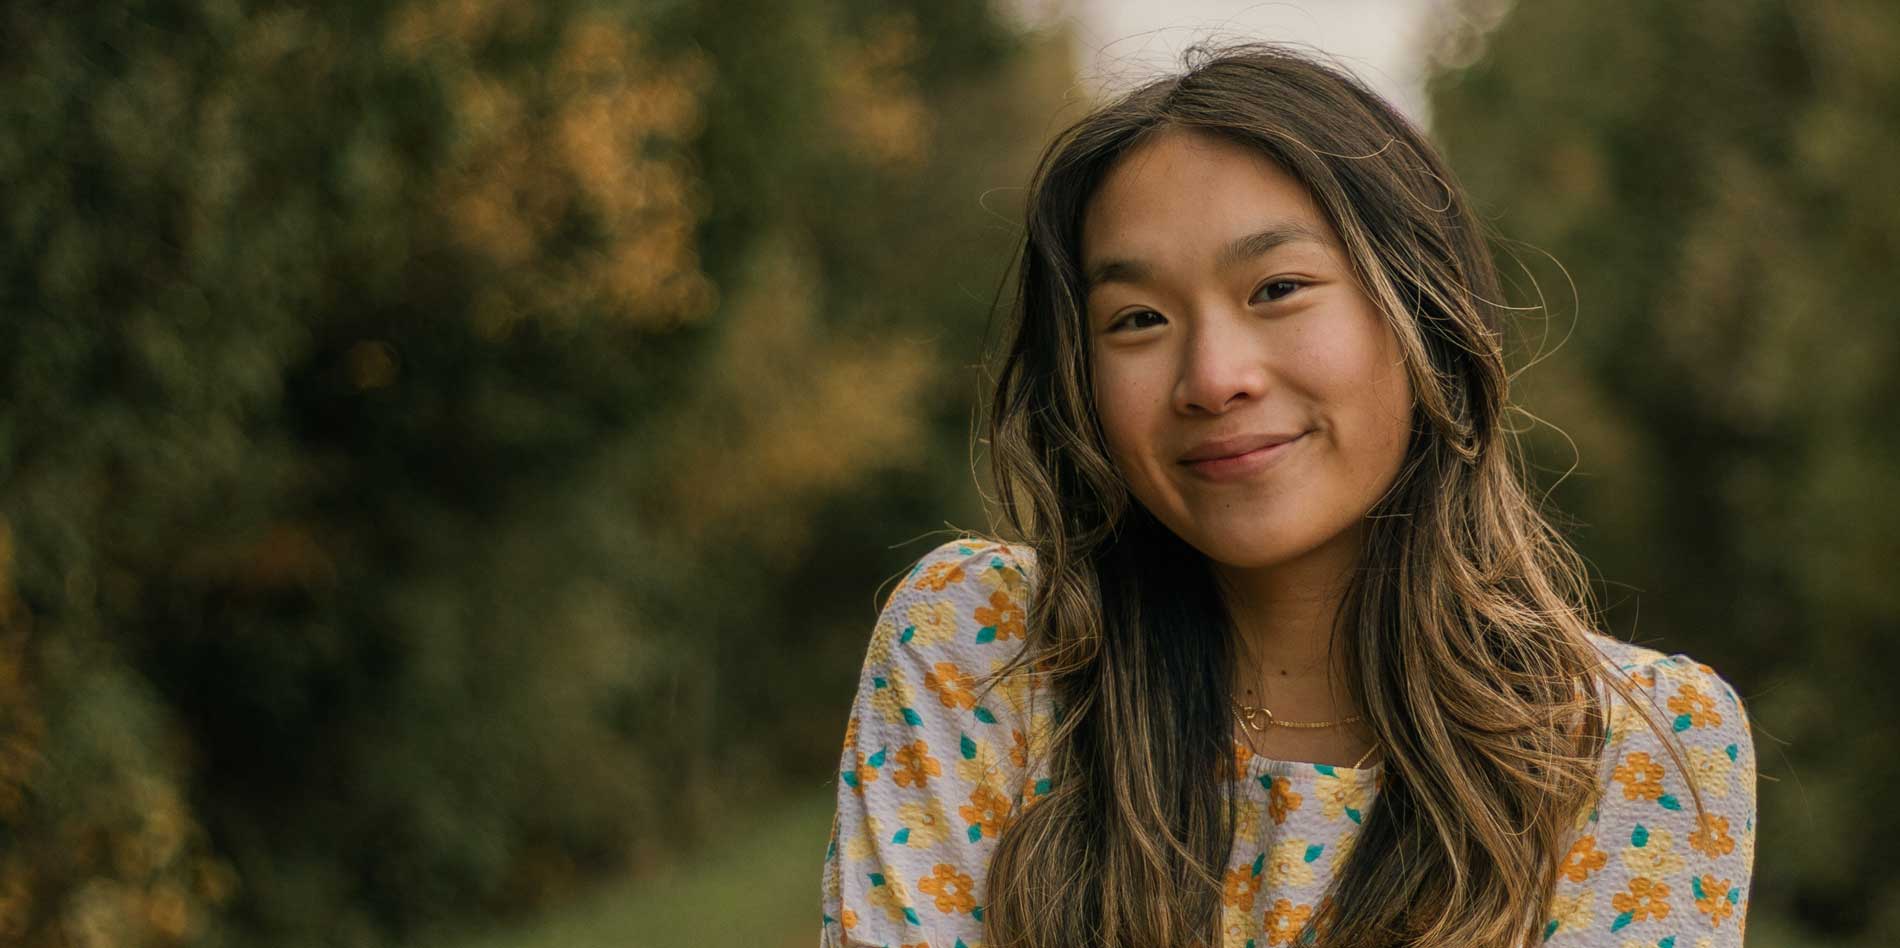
[1187, 191]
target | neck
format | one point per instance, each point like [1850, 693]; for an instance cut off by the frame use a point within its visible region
[1284, 619]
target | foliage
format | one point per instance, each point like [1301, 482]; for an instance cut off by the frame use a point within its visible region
[421, 420]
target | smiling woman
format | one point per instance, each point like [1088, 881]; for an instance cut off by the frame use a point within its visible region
[1285, 652]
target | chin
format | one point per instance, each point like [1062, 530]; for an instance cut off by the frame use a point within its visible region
[1255, 549]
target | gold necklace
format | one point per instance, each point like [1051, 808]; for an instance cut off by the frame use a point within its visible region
[1248, 713]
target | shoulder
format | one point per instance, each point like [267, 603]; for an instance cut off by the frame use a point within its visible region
[1671, 838]
[965, 565]
[966, 599]
[955, 619]
[1689, 699]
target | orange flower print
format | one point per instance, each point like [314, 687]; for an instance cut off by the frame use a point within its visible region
[1243, 759]
[1641, 778]
[915, 766]
[1711, 899]
[1711, 836]
[1583, 859]
[1643, 899]
[1281, 800]
[939, 576]
[1003, 614]
[1285, 920]
[1030, 793]
[952, 684]
[1242, 886]
[1018, 748]
[954, 890]
[988, 809]
[864, 774]
[848, 918]
[1693, 708]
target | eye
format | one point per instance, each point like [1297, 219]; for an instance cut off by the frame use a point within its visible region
[1290, 284]
[1131, 317]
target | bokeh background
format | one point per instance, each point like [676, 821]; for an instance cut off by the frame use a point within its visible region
[451, 450]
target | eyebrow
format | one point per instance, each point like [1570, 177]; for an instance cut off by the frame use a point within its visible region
[1119, 270]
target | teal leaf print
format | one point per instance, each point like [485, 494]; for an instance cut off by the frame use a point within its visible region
[1732, 751]
[1683, 722]
[912, 718]
[968, 747]
[1639, 836]
[1621, 920]
[877, 878]
[1550, 928]
[1313, 851]
[986, 635]
[910, 915]
[1695, 885]
[850, 778]
[879, 681]
[1668, 801]
[976, 832]
[909, 631]
[976, 913]
[902, 837]
[1259, 864]
[1734, 895]
[1326, 769]
[983, 714]
[1667, 942]
[1266, 781]
[877, 759]
[1353, 815]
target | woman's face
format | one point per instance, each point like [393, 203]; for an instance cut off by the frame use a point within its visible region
[1222, 315]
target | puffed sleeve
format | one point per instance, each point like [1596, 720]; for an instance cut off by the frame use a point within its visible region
[932, 772]
[1646, 866]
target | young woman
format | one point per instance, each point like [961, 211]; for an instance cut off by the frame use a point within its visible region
[1287, 653]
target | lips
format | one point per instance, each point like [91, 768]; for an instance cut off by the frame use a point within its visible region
[1236, 445]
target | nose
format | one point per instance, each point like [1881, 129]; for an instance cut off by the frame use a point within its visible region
[1221, 366]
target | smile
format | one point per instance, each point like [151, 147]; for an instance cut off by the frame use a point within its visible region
[1242, 466]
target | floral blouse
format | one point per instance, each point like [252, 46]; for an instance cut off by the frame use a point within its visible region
[930, 776]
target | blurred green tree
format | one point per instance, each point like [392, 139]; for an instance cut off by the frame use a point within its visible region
[1712, 177]
[441, 441]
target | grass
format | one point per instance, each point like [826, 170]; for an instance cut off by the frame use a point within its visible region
[757, 886]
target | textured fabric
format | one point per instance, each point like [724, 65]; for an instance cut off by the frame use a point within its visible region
[932, 773]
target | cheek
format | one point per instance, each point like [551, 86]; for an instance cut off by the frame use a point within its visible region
[1127, 405]
[1361, 380]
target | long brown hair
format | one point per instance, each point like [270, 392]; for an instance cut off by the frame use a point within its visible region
[1467, 628]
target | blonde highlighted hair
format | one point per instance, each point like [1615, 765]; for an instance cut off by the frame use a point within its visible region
[1467, 630]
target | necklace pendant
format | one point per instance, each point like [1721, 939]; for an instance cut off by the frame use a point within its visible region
[1249, 712]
